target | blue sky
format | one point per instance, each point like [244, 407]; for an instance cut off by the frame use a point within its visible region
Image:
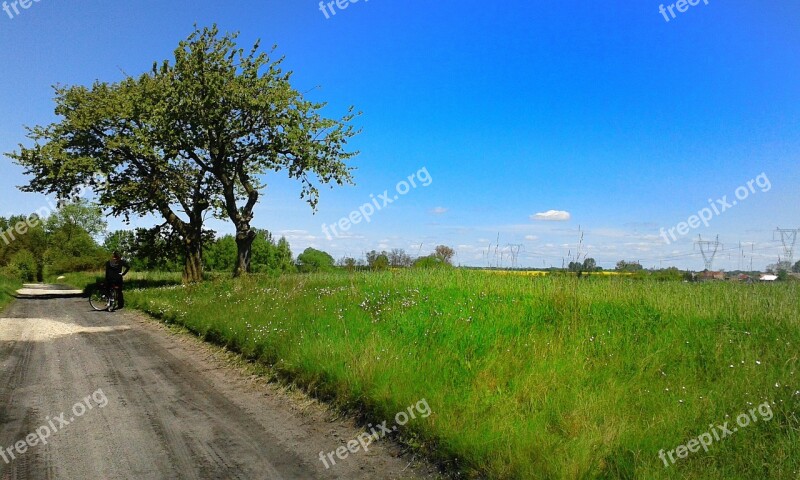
[606, 111]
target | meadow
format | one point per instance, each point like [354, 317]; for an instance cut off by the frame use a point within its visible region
[527, 376]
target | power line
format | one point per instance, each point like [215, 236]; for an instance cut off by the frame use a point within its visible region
[708, 249]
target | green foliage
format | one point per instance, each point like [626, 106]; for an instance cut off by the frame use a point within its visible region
[267, 256]
[312, 260]
[58, 243]
[8, 286]
[349, 263]
[796, 267]
[34, 240]
[671, 274]
[399, 258]
[284, 262]
[220, 255]
[590, 265]
[73, 218]
[575, 267]
[629, 267]
[431, 261]
[445, 253]
[381, 263]
[199, 133]
[543, 377]
[122, 241]
[23, 266]
[74, 251]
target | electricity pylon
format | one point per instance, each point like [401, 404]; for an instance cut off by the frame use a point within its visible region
[514, 249]
[789, 239]
[709, 250]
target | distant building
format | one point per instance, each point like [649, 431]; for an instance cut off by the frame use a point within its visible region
[709, 275]
[768, 278]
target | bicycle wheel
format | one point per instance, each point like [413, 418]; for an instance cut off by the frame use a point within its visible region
[99, 300]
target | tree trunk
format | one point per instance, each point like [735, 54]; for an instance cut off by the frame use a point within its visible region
[193, 268]
[244, 246]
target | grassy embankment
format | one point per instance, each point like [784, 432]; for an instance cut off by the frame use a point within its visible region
[7, 288]
[529, 377]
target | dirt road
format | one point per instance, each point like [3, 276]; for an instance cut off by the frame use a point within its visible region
[141, 402]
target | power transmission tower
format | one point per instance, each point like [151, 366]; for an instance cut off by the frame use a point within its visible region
[514, 249]
[709, 250]
[789, 239]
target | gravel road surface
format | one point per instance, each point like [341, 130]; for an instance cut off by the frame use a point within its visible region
[140, 401]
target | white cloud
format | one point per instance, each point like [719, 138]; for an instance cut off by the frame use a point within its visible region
[439, 211]
[531, 237]
[298, 235]
[552, 216]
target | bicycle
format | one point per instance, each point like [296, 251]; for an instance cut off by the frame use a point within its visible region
[103, 298]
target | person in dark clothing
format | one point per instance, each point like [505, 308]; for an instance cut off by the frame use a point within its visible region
[116, 269]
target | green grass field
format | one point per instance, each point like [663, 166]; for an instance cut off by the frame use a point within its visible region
[528, 377]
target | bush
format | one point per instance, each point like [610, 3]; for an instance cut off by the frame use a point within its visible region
[23, 266]
[381, 263]
[431, 261]
[312, 260]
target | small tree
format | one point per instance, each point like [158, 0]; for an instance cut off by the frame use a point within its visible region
[399, 258]
[312, 260]
[629, 267]
[381, 263]
[283, 257]
[445, 253]
[24, 266]
[777, 267]
[348, 263]
[80, 216]
[123, 241]
[589, 265]
[372, 257]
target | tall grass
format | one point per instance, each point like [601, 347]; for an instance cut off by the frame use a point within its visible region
[8, 286]
[528, 377]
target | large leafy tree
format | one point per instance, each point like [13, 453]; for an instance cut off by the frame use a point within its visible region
[236, 115]
[123, 132]
[190, 137]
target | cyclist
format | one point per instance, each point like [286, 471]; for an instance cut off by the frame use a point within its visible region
[116, 268]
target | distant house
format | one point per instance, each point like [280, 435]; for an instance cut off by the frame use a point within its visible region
[768, 278]
[744, 278]
[709, 275]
